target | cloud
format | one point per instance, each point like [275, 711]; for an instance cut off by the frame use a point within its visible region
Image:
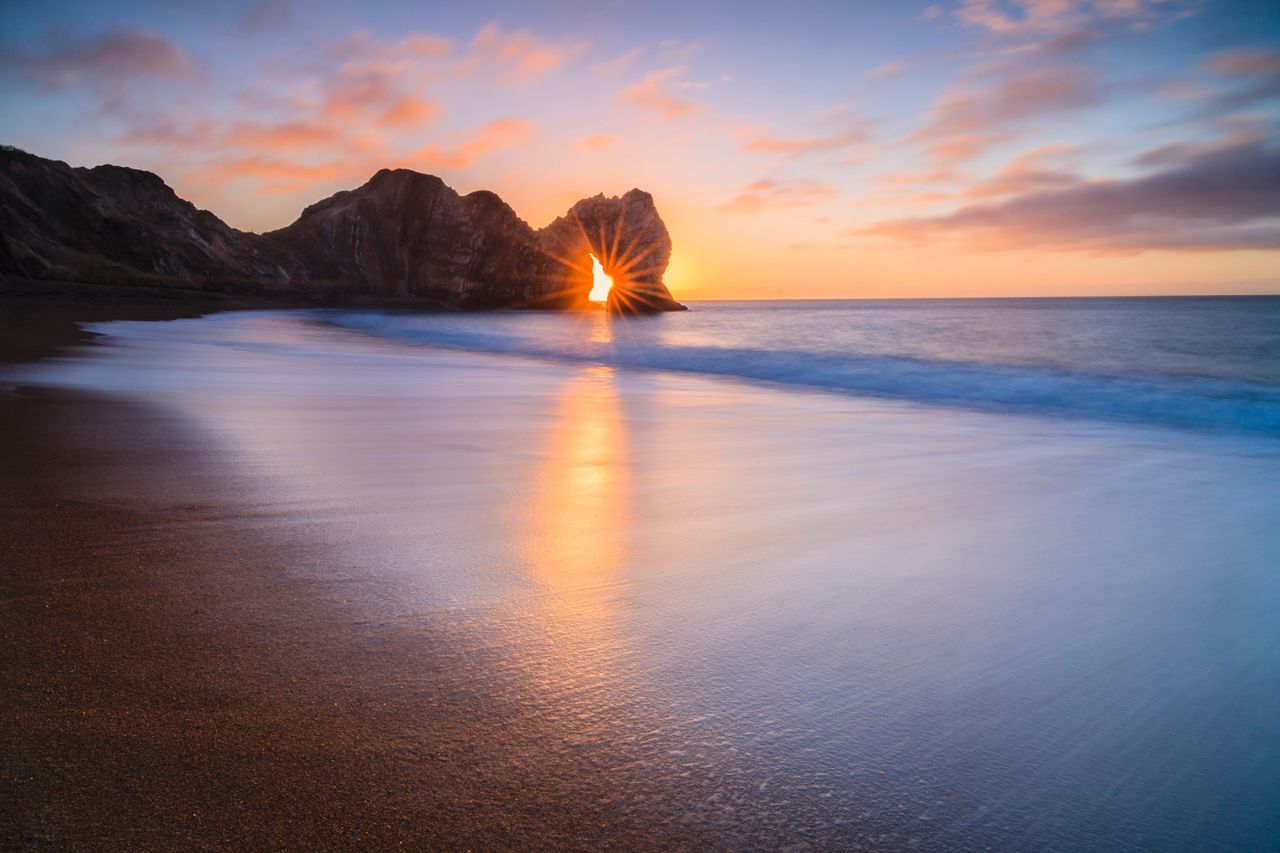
[1216, 198]
[284, 175]
[1245, 63]
[422, 46]
[495, 136]
[520, 56]
[654, 94]
[359, 89]
[408, 110]
[112, 56]
[768, 194]
[988, 106]
[281, 136]
[1007, 17]
[1258, 73]
[598, 141]
[888, 71]
[619, 63]
[1031, 171]
[806, 144]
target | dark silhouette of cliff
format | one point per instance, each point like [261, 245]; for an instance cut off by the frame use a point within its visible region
[403, 237]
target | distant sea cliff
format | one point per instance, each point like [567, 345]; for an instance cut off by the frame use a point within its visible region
[401, 238]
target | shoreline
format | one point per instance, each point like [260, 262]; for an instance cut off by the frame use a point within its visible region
[174, 681]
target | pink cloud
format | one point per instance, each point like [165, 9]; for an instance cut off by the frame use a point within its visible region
[408, 110]
[520, 55]
[422, 46]
[805, 145]
[1005, 17]
[768, 194]
[1031, 171]
[888, 71]
[282, 136]
[494, 136]
[358, 89]
[654, 94]
[598, 141]
[205, 183]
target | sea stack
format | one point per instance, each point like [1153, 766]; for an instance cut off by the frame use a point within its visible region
[632, 243]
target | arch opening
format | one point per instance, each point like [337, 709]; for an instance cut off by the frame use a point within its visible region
[601, 282]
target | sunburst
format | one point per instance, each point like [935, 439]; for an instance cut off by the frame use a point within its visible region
[583, 260]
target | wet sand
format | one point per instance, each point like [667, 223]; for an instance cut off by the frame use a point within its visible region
[169, 683]
[172, 682]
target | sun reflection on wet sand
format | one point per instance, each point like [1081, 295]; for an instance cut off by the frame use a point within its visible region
[578, 521]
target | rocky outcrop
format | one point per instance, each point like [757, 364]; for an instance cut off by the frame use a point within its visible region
[631, 241]
[402, 237]
[110, 224]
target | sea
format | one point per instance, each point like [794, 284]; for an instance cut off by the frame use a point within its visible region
[935, 574]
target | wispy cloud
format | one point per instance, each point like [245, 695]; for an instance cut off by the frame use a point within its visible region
[1022, 16]
[1253, 77]
[1039, 169]
[114, 55]
[598, 141]
[495, 136]
[1216, 198]
[770, 144]
[520, 56]
[888, 71]
[770, 194]
[656, 93]
[987, 106]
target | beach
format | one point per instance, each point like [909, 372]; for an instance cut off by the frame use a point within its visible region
[286, 578]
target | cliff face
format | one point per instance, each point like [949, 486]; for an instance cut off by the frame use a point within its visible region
[407, 235]
[115, 225]
[403, 236]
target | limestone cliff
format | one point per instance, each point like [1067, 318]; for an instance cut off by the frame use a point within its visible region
[402, 237]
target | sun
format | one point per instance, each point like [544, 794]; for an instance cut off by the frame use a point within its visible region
[601, 283]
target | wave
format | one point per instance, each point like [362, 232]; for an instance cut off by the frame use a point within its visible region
[1168, 401]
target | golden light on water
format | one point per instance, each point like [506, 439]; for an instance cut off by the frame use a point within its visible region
[577, 521]
[601, 282]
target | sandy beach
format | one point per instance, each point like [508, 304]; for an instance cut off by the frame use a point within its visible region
[275, 583]
[172, 681]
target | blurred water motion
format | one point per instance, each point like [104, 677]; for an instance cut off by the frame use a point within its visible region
[778, 615]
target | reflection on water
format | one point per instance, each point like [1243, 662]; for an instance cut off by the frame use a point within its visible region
[602, 327]
[578, 515]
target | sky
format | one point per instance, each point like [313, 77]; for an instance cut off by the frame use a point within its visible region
[795, 150]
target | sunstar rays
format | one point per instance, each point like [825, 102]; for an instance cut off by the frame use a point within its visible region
[597, 263]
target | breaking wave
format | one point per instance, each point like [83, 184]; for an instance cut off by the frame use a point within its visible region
[1194, 402]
